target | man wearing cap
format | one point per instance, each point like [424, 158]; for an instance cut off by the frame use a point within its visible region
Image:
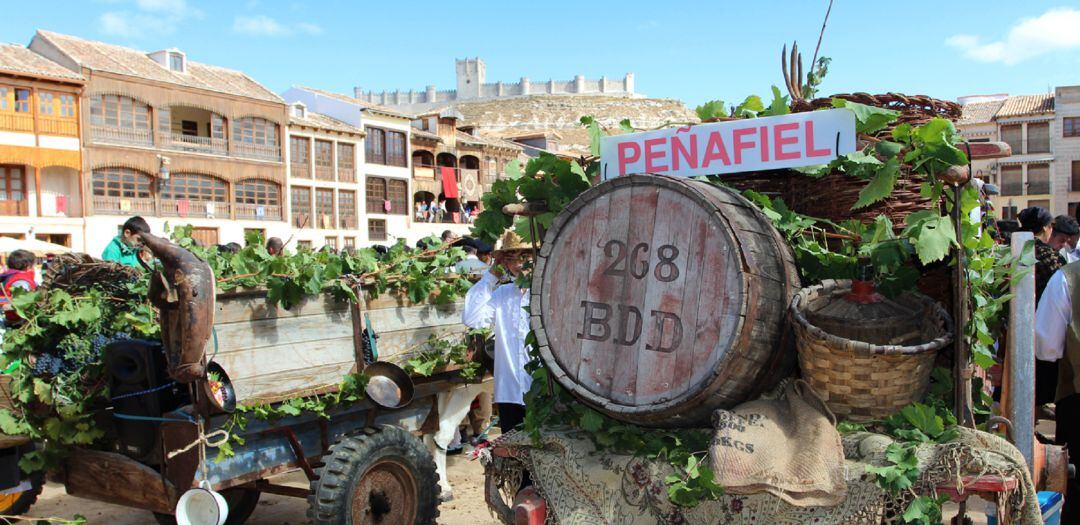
[471, 264]
[1064, 236]
[496, 301]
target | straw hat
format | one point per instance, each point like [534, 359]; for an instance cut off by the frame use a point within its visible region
[511, 242]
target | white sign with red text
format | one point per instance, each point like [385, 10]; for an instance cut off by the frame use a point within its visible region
[785, 141]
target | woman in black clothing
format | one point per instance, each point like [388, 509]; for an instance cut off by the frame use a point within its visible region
[1038, 221]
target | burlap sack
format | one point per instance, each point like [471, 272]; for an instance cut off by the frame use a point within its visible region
[787, 446]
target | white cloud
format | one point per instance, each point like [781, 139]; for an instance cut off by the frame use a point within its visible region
[150, 17]
[262, 25]
[1054, 30]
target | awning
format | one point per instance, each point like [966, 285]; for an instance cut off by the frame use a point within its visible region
[1012, 161]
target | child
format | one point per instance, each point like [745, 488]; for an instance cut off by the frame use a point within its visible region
[20, 274]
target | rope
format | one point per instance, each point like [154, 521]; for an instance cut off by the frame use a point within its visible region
[144, 392]
[203, 441]
[132, 417]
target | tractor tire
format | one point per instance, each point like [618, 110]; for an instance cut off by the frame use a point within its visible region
[19, 503]
[380, 476]
[241, 502]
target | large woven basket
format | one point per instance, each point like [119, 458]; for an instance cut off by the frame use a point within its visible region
[862, 381]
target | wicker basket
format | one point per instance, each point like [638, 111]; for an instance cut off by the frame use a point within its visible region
[862, 381]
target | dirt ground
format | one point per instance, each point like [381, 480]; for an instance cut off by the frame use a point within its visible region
[467, 507]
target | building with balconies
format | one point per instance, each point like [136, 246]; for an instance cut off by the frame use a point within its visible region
[323, 161]
[453, 168]
[382, 164]
[40, 161]
[175, 141]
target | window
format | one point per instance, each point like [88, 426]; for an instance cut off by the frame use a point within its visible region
[22, 100]
[119, 112]
[1008, 213]
[1072, 208]
[1075, 176]
[67, 106]
[45, 103]
[1038, 179]
[346, 156]
[376, 194]
[1070, 126]
[12, 183]
[375, 146]
[205, 236]
[195, 187]
[347, 209]
[1038, 137]
[1010, 180]
[1013, 135]
[255, 130]
[122, 183]
[217, 126]
[385, 147]
[303, 245]
[257, 192]
[376, 230]
[300, 156]
[1042, 203]
[324, 208]
[350, 243]
[324, 154]
[176, 62]
[398, 195]
[5, 105]
[331, 242]
[301, 206]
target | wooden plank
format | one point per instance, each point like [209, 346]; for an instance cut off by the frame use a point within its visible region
[593, 371]
[987, 150]
[566, 254]
[281, 358]
[254, 306]
[117, 479]
[632, 290]
[294, 383]
[697, 232]
[283, 330]
[664, 339]
[405, 318]
[406, 342]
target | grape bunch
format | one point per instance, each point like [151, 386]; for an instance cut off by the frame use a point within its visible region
[97, 344]
[47, 364]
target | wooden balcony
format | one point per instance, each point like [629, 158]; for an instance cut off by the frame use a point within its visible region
[180, 142]
[346, 175]
[65, 127]
[251, 212]
[113, 135]
[325, 173]
[14, 208]
[300, 171]
[198, 209]
[423, 172]
[122, 206]
[17, 122]
[256, 151]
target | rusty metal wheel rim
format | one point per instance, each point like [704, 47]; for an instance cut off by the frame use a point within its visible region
[386, 494]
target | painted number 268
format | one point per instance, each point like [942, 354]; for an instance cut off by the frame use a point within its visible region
[635, 261]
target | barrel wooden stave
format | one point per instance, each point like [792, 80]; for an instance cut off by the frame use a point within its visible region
[738, 314]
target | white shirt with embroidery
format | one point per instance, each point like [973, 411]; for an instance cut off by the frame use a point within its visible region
[489, 304]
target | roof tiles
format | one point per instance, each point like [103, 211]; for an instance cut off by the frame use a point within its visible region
[15, 58]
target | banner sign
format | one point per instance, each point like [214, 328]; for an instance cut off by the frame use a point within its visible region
[785, 141]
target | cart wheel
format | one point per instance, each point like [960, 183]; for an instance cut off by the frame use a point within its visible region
[18, 503]
[241, 502]
[381, 476]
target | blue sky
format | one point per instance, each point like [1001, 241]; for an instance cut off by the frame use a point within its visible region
[693, 51]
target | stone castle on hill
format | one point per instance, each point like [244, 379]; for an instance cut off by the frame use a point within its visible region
[472, 86]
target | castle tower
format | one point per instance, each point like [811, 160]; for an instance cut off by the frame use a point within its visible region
[471, 74]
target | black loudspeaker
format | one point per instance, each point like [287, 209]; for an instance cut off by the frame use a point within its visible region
[140, 388]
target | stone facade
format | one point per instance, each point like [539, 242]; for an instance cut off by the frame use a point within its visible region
[472, 85]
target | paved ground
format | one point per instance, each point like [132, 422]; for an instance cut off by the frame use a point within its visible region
[467, 508]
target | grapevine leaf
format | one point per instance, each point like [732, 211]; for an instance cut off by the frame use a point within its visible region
[779, 104]
[888, 148]
[625, 126]
[868, 119]
[711, 110]
[749, 107]
[932, 235]
[512, 170]
[591, 421]
[880, 186]
[595, 133]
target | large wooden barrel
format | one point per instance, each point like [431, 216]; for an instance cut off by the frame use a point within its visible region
[657, 300]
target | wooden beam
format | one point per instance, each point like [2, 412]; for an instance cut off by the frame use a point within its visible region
[987, 150]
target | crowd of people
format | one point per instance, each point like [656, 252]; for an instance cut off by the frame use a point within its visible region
[438, 211]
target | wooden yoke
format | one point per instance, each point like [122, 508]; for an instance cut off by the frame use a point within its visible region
[183, 293]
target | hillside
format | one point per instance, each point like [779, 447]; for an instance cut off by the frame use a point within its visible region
[562, 113]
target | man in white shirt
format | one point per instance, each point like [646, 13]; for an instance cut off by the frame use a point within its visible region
[1057, 338]
[471, 264]
[494, 303]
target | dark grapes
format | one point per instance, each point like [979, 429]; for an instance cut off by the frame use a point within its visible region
[47, 364]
